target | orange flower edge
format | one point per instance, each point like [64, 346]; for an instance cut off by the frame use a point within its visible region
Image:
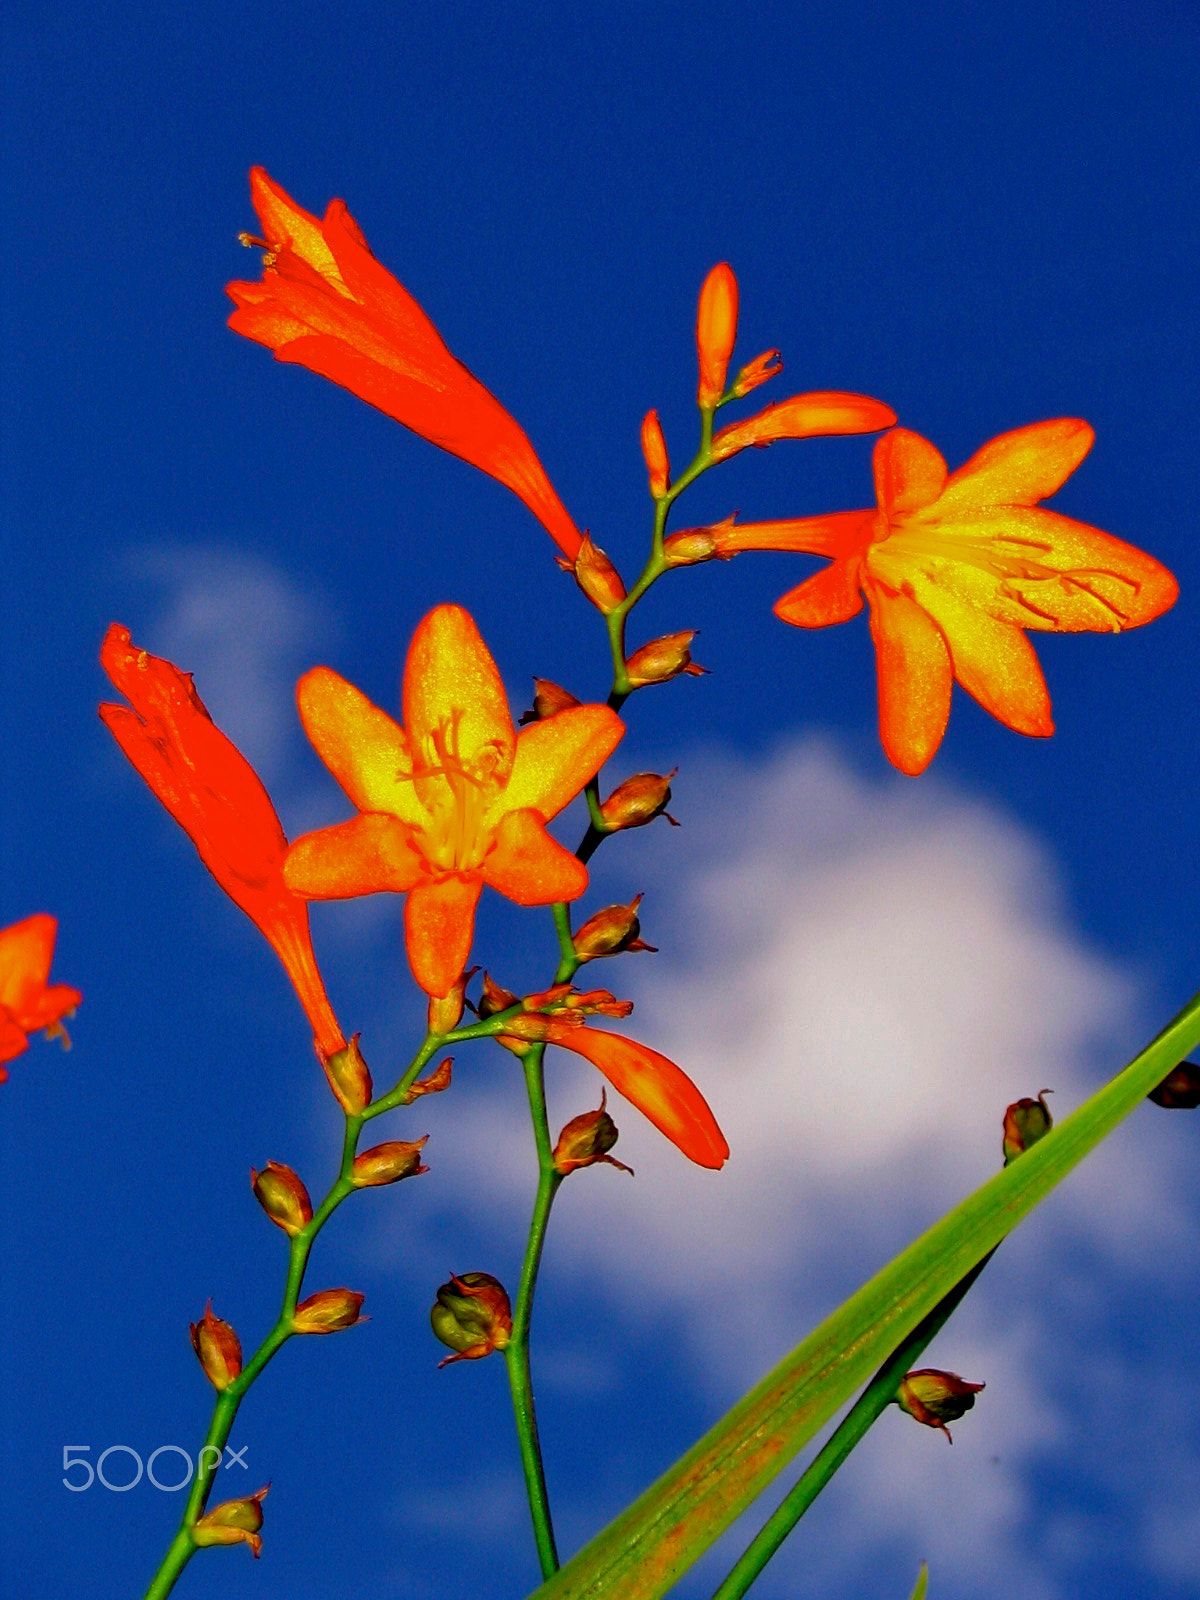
[219, 801]
[955, 567]
[325, 303]
[453, 800]
[28, 1001]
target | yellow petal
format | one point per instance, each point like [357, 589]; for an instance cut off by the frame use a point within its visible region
[914, 679]
[994, 662]
[909, 472]
[366, 855]
[556, 758]
[286, 223]
[531, 867]
[1022, 467]
[439, 921]
[366, 751]
[453, 690]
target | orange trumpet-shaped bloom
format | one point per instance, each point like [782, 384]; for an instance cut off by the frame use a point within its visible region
[453, 800]
[219, 801]
[954, 566]
[325, 303]
[27, 1001]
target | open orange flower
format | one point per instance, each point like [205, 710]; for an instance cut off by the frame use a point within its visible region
[326, 303]
[953, 567]
[27, 1001]
[453, 800]
[219, 801]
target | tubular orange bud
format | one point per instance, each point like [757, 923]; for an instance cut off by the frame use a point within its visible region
[689, 546]
[1025, 1122]
[716, 332]
[328, 1311]
[639, 800]
[218, 1347]
[1180, 1089]
[445, 1011]
[760, 370]
[434, 1083]
[654, 448]
[472, 1315]
[804, 416]
[595, 575]
[282, 1196]
[586, 1140]
[936, 1398]
[548, 699]
[388, 1163]
[349, 1077]
[611, 932]
[233, 1522]
[663, 659]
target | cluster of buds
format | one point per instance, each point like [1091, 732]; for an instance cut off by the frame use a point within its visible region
[549, 698]
[282, 1196]
[218, 1348]
[349, 1078]
[663, 659]
[328, 1311]
[233, 1522]
[611, 932]
[936, 1398]
[639, 800]
[1025, 1122]
[1180, 1089]
[595, 575]
[389, 1163]
[586, 1140]
[562, 998]
[472, 1316]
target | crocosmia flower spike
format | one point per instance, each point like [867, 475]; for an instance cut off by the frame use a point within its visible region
[326, 303]
[27, 1001]
[954, 566]
[453, 800]
[219, 801]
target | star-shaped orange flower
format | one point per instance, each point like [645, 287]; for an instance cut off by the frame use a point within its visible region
[27, 1001]
[451, 801]
[954, 566]
[327, 304]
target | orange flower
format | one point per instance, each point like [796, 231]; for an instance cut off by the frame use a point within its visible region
[217, 798]
[27, 1001]
[326, 303]
[453, 800]
[804, 416]
[954, 566]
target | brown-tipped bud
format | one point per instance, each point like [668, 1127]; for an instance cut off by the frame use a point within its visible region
[587, 1140]
[436, 1081]
[349, 1077]
[472, 1316]
[388, 1163]
[218, 1348]
[690, 545]
[282, 1196]
[611, 932]
[654, 448]
[599, 1003]
[1025, 1122]
[548, 700]
[663, 659]
[595, 575]
[233, 1522]
[639, 800]
[445, 1011]
[760, 370]
[328, 1311]
[936, 1398]
[532, 1028]
[716, 332]
[1180, 1089]
[493, 998]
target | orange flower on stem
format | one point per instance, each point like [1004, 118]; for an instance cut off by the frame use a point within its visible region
[27, 1001]
[453, 800]
[325, 303]
[217, 798]
[954, 566]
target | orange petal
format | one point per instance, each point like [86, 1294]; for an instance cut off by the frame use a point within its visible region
[13, 1041]
[453, 690]
[1021, 467]
[529, 866]
[909, 472]
[54, 1003]
[994, 662]
[368, 854]
[367, 752]
[660, 1090]
[284, 223]
[557, 757]
[829, 596]
[915, 679]
[841, 533]
[439, 921]
[26, 951]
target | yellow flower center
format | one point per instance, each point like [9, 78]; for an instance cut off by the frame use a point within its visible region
[455, 839]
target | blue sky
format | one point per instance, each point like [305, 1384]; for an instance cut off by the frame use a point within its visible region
[984, 216]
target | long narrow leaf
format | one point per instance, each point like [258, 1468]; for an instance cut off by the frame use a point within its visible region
[922, 1583]
[645, 1550]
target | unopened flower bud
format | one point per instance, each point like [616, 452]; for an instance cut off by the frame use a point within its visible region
[328, 1311]
[548, 700]
[493, 998]
[716, 332]
[611, 932]
[688, 546]
[663, 659]
[218, 1347]
[936, 1398]
[282, 1196]
[768, 365]
[445, 1011]
[472, 1315]
[388, 1163]
[595, 575]
[1025, 1122]
[654, 448]
[233, 1522]
[639, 800]
[533, 1028]
[433, 1083]
[349, 1078]
[586, 1140]
[1180, 1089]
